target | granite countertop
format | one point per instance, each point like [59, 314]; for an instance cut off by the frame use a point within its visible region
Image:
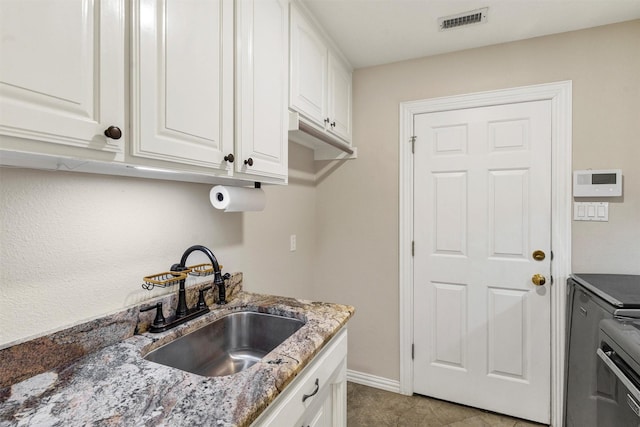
[116, 386]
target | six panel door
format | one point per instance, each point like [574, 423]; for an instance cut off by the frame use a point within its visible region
[482, 207]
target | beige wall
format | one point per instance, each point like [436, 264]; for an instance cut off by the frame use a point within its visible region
[358, 203]
[75, 246]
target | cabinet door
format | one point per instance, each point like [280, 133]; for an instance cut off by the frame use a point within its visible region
[324, 378]
[321, 413]
[62, 71]
[262, 87]
[182, 81]
[339, 98]
[329, 408]
[309, 56]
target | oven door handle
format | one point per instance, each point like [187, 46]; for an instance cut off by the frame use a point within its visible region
[623, 378]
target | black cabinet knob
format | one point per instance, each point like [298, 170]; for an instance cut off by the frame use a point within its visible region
[327, 120]
[333, 124]
[113, 132]
[249, 161]
[230, 158]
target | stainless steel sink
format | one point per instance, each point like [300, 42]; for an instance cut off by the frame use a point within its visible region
[227, 346]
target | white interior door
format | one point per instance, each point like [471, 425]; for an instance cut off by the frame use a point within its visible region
[482, 206]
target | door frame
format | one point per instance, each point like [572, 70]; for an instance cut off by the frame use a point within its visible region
[560, 95]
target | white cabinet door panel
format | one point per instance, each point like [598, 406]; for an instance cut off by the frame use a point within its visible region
[320, 415]
[339, 98]
[62, 71]
[309, 60]
[262, 87]
[183, 81]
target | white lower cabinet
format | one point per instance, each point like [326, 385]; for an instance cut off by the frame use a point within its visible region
[319, 415]
[329, 408]
[318, 396]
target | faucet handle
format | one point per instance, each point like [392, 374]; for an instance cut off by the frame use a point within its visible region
[159, 320]
[201, 302]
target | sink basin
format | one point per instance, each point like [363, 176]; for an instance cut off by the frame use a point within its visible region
[227, 346]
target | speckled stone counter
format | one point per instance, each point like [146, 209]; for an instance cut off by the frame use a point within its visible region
[114, 385]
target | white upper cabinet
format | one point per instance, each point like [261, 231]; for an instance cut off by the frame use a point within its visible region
[309, 62]
[320, 83]
[340, 88]
[262, 71]
[182, 81]
[62, 74]
[192, 87]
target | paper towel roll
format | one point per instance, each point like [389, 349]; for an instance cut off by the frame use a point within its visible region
[237, 199]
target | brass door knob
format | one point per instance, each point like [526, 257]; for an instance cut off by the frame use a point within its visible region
[538, 255]
[538, 279]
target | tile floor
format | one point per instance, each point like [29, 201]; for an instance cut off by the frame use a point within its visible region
[371, 407]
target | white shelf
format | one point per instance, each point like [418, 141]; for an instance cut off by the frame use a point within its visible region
[325, 145]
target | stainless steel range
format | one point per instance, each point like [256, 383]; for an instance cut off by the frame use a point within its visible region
[618, 368]
[591, 299]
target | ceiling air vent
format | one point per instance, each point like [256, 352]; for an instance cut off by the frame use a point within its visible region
[477, 16]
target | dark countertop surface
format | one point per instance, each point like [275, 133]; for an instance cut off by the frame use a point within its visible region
[619, 290]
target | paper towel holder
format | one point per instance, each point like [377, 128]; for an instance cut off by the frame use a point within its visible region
[220, 197]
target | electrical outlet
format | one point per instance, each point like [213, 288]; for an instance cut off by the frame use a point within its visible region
[292, 243]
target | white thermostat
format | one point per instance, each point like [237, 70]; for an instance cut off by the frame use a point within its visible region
[597, 183]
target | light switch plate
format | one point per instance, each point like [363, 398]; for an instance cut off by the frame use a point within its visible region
[591, 211]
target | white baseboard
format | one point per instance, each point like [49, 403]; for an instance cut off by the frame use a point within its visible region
[373, 381]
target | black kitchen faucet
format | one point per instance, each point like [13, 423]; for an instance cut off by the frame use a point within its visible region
[217, 278]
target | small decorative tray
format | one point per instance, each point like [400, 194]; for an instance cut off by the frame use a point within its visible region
[170, 278]
[201, 270]
[162, 280]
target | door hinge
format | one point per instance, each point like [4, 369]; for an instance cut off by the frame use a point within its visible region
[551, 277]
[413, 144]
[551, 255]
[413, 248]
[413, 351]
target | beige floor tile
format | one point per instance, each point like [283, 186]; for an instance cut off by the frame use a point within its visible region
[371, 407]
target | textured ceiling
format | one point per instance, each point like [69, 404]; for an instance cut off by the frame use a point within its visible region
[372, 32]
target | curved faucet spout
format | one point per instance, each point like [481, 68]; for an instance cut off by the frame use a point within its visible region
[203, 249]
[217, 278]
